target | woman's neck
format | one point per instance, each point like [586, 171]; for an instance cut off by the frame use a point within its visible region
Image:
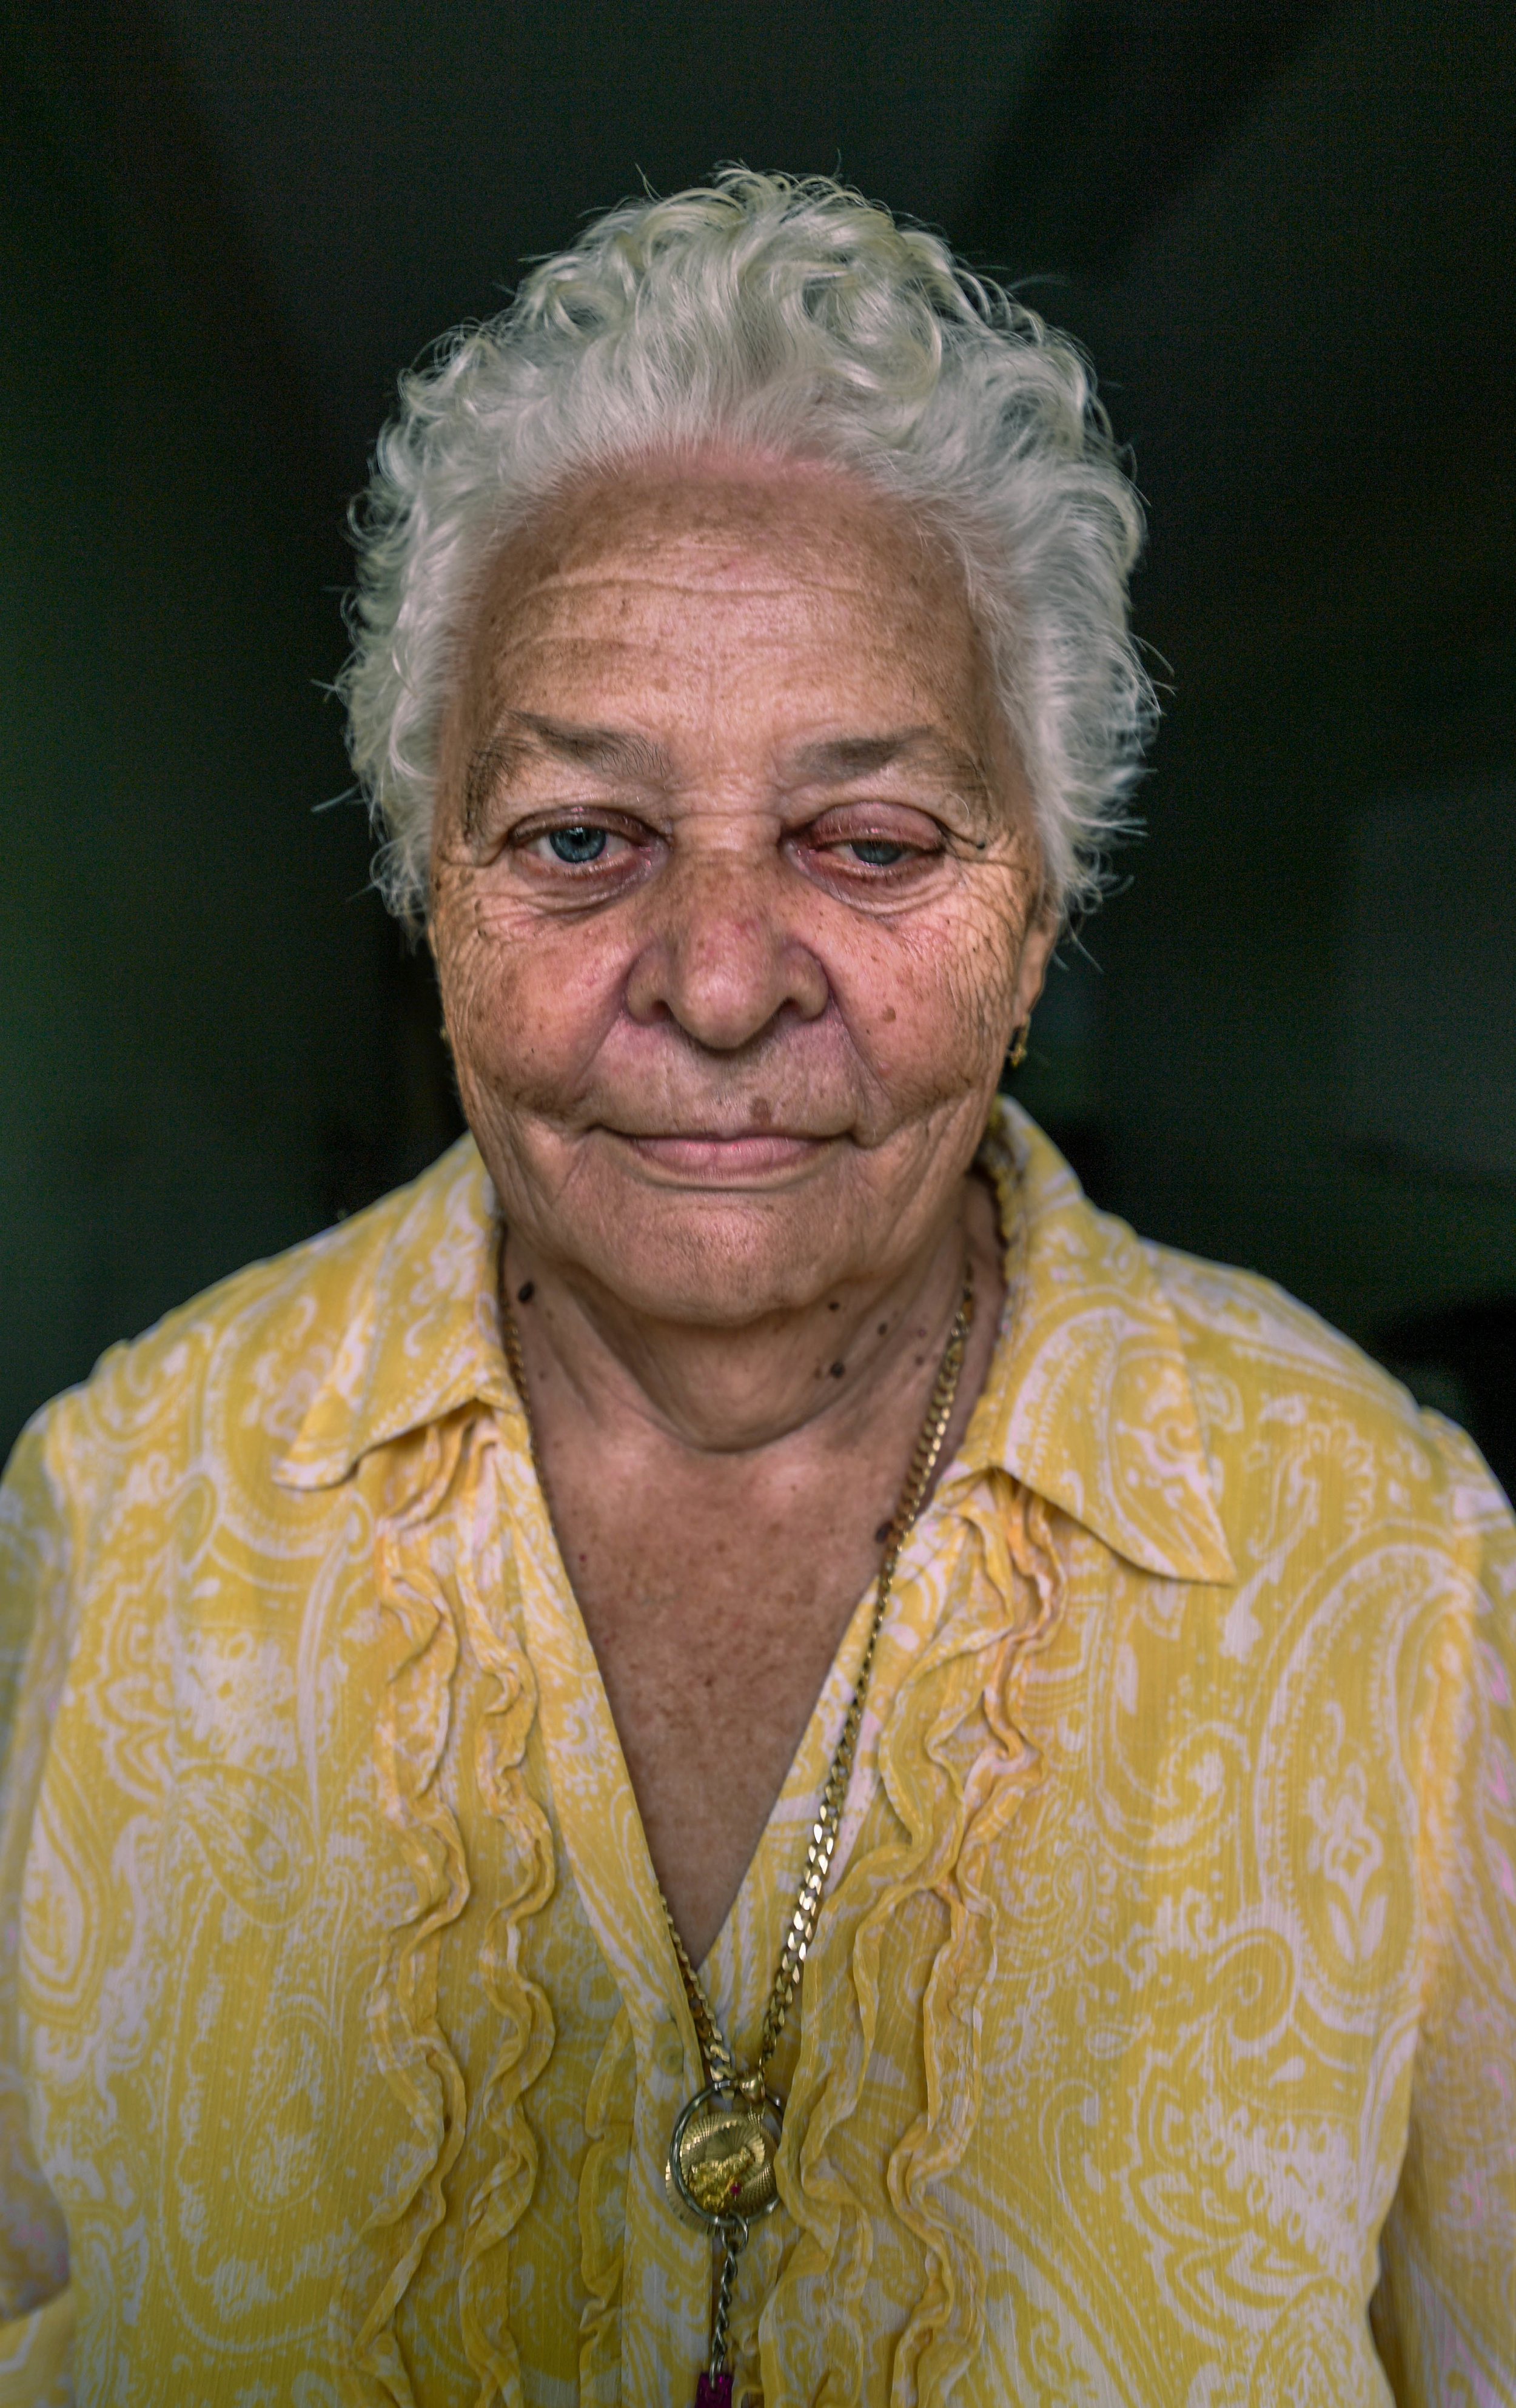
[819, 1378]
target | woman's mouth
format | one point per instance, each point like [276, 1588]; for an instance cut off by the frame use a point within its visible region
[720, 1157]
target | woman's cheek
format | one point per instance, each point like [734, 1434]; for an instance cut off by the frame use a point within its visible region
[482, 1003]
[934, 1018]
[525, 1017]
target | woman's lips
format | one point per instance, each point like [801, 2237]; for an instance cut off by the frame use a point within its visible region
[709, 1157]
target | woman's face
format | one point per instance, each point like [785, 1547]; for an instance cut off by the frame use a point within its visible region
[735, 895]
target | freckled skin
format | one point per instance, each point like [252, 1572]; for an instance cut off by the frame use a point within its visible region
[728, 1064]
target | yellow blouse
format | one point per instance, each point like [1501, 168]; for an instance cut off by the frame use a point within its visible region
[1158, 2043]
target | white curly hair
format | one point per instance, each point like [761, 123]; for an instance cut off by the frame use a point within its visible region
[796, 318]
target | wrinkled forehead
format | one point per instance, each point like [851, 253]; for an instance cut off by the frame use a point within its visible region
[798, 591]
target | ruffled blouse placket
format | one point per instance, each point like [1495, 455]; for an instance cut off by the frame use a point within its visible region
[664, 2275]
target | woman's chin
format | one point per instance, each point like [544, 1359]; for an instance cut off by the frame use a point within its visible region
[720, 1260]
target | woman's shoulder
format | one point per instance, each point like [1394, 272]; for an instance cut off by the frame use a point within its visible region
[1196, 1376]
[1239, 1323]
[237, 1366]
[1279, 1390]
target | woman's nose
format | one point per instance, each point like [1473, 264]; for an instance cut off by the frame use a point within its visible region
[723, 958]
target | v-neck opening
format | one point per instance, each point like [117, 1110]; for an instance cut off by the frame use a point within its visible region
[579, 1730]
[799, 1793]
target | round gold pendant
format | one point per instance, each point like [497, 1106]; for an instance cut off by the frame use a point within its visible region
[720, 2159]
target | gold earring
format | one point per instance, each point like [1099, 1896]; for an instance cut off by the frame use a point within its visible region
[1018, 1046]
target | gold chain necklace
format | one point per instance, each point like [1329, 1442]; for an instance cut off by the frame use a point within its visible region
[725, 2139]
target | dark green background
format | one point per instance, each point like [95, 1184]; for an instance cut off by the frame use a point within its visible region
[1285, 233]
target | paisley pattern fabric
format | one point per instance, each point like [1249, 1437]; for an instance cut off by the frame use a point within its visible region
[1158, 2043]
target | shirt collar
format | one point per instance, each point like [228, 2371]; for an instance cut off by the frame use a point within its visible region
[421, 1333]
[1088, 1402]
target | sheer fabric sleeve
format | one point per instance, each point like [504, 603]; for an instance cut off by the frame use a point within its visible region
[35, 2303]
[1444, 2313]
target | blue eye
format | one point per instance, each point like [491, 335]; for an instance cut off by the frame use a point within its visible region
[876, 851]
[576, 845]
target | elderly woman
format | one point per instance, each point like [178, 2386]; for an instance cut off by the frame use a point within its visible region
[735, 1749]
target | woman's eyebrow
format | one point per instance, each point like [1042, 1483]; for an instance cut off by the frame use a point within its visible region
[614, 752]
[608, 752]
[833, 760]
